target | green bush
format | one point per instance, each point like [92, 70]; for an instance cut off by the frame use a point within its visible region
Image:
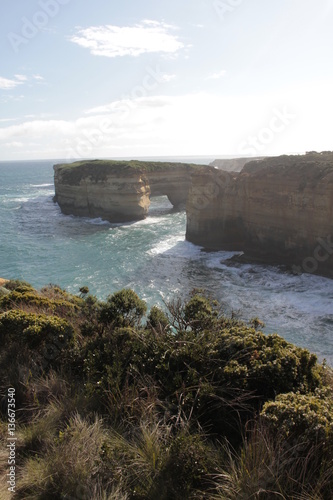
[200, 312]
[267, 364]
[169, 390]
[219, 377]
[19, 286]
[123, 308]
[157, 319]
[192, 462]
[49, 336]
[30, 298]
[306, 418]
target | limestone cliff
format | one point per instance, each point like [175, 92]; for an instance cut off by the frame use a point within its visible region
[174, 183]
[277, 209]
[119, 190]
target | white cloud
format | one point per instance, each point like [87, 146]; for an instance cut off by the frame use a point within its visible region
[115, 41]
[14, 144]
[192, 124]
[168, 78]
[6, 84]
[124, 105]
[38, 77]
[21, 78]
[36, 129]
[217, 76]
[183, 124]
[4, 120]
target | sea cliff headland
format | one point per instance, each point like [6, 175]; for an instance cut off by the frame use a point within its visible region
[276, 210]
[119, 191]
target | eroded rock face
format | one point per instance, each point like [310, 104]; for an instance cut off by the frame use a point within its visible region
[175, 184]
[275, 210]
[119, 191]
[92, 190]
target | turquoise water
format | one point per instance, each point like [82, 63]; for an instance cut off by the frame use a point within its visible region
[40, 245]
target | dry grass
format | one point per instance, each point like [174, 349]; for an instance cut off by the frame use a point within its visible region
[68, 465]
[265, 468]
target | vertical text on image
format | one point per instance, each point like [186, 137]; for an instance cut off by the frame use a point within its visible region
[11, 440]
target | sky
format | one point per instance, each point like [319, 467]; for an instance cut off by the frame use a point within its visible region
[104, 79]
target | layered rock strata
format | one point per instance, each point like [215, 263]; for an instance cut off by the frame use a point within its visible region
[119, 191]
[277, 210]
[175, 184]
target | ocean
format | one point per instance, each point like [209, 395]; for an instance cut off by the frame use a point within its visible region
[41, 245]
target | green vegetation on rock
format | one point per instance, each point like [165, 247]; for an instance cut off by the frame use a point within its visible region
[114, 402]
[98, 170]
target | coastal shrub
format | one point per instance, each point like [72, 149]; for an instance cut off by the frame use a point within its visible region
[200, 312]
[158, 320]
[306, 418]
[107, 359]
[192, 462]
[3, 291]
[56, 293]
[31, 300]
[304, 424]
[267, 364]
[33, 329]
[49, 336]
[84, 290]
[90, 316]
[18, 285]
[123, 308]
[119, 407]
[219, 377]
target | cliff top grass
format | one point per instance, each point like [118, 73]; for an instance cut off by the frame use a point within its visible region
[311, 162]
[99, 169]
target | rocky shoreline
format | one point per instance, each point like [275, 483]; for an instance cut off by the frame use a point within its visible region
[276, 210]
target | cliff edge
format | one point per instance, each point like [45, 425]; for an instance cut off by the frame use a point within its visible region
[276, 210]
[119, 191]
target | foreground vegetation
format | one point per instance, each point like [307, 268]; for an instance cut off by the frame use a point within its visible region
[114, 402]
